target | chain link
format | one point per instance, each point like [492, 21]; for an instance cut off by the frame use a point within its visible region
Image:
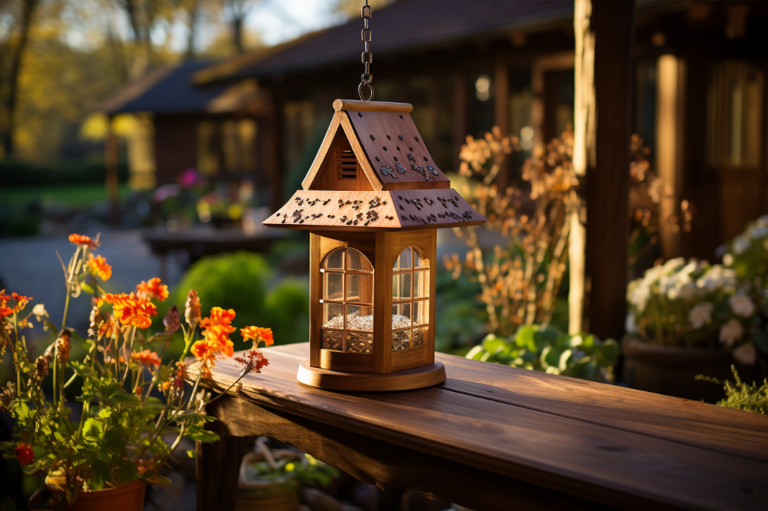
[366, 80]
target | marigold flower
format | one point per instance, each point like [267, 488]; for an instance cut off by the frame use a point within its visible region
[147, 358]
[257, 334]
[5, 309]
[203, 349]
[192, 308]
[24, 453]
[99, 266]
[216, 330]
[130, 310]
[83, 241]
[152, 289]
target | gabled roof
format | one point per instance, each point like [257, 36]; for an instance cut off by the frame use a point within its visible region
[319, 210]
[407, 25]
[387, 144]
[170, 89]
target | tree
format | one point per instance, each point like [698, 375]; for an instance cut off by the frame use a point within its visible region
[21, 14]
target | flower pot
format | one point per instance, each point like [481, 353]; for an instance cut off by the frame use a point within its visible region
[268, 495]
[672, 370]
[125, 498]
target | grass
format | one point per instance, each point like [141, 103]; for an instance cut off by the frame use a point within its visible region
[76, 196]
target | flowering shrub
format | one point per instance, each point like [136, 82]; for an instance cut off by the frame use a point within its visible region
[696, 304]
[119, 435]
[748, 254]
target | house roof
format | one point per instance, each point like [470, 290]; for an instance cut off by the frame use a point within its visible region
[386, 143]
[319, 210]
[405, 25]
[169, 89]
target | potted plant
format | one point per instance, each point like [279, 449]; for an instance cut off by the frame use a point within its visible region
[271, 479]
[104, 458]
[688, 318]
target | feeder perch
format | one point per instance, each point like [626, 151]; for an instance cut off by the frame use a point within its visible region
[372, 202]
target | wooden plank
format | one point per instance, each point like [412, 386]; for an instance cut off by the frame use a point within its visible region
[382, 294]
[357, 148]
[377, 462]
[322, 153]
[565, 454]
[371, 106]
[315, 295]
[690, 422]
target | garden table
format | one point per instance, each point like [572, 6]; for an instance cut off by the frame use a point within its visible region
[495, 437]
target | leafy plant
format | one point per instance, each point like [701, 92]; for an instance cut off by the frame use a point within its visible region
[119, 435]
[742, 395]
[241, 281]
[306, 470]
[552, 351]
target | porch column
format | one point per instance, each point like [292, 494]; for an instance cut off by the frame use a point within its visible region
[669, 146]
[608, 25]
[501, 78]
[459, 115]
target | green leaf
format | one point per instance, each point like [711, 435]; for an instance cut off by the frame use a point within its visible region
[199, 434]
[85, 287]
[159, 480]
[191, 453]
[126, 399]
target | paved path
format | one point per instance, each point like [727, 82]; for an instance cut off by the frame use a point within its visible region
[29, 266]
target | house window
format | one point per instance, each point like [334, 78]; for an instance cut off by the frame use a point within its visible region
[734, 115]
[410, 300]
[347, 304]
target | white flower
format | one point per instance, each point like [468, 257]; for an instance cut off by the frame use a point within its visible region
[673, 264]
[39, 311]
[700, 314]
[742, 305]
[763, 219]
[731, 332]
[687, 291]
[745, 354]
[629, 323]
[716, 277]
[728, 259]
[640, 296]
[758, 231]
[740, 244]
[651, 275]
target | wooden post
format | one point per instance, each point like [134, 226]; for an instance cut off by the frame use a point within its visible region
[111, 178]
[459, 115]
[501, 104]
[669, 145]
[605, 36]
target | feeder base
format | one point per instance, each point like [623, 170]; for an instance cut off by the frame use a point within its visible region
[415, 378]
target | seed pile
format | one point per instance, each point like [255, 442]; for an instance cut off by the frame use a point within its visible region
[362, 342]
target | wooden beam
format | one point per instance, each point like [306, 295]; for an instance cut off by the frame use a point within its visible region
[607, 190]
[371, 106]
[459, 115]
[669, 145]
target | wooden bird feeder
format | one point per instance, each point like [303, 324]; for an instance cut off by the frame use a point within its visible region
[372, 202]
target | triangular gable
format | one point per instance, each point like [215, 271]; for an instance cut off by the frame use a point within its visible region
[340, 121]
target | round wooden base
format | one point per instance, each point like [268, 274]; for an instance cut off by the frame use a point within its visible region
[416, 378]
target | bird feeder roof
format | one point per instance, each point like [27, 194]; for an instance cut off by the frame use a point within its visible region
[397, 184]
[319, 210]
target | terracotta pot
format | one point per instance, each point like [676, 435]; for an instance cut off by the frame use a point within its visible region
[672, 370]
[125, 498]
[267, 495]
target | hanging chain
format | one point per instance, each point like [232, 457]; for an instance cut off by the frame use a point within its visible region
[367, 57]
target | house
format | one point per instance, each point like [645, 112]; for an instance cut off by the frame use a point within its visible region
[466, 65]
[178, 126]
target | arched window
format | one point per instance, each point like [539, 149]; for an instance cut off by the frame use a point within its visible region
[410, 300]
[347, 282]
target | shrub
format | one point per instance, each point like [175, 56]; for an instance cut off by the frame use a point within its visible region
[241, 281]
[742, 395]
[551, 351]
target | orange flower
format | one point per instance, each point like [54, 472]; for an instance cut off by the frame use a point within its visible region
[203, 349]
[152, 289]
[21, 302]
[99, 266]
[83, 241]
[130, 310]
[257, 334]
[24, 453]
[147, 358]
[216, 330]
